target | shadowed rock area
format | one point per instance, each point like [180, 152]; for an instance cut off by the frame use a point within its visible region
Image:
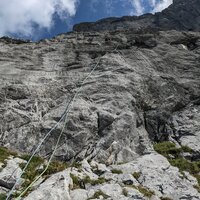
[144, 90]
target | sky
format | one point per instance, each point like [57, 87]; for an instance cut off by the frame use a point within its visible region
[39, 19]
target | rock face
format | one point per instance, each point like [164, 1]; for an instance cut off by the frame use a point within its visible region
[145, 88]
[10, 173]
[157, 180]
[142, 87]
[56, 187]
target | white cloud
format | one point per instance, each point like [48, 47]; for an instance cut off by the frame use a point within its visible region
[18, 16]
[161, 5]
[139, 9]
[155, 5]
[152, 3]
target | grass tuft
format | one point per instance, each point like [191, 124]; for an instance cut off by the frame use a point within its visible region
[98, 194]
[56, 166]
[76, 182]
[5, 153]
[136, 175]
[116, 171]
[165, 198]
[174, 156]
[86, 180]
[145, 191]
[197, 187]
[125, 192]
[3, 196]
[99, 181]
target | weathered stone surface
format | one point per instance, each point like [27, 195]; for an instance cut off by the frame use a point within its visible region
[134, 94]
[11, 172]
[112, 190]
[54, 188]
[158, 175]
[79, 194]
[144, 89]
[134, 194]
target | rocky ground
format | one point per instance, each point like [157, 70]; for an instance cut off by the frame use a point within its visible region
[148, 177]
[141, 99]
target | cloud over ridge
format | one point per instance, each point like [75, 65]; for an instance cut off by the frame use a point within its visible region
[18, 16]
[27, 18]
[156, 5]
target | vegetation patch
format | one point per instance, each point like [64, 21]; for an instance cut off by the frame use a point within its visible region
[197, 187]
[136, 175]
[56, 166]
[145, 191]
[76, 181]
[116, 171]
[3, 196]
[5, 154]
[98, 194]
[33, 170]
[174, 156]
[36, 167]
[99, 181]
[165, 198]
[125, 192]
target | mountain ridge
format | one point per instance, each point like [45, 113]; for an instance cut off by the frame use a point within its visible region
[181, 15]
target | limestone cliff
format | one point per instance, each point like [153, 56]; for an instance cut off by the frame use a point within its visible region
[144, 90]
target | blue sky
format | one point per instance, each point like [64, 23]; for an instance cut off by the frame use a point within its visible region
[38, 19]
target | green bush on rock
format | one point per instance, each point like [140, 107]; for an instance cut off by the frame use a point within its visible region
[174, 156]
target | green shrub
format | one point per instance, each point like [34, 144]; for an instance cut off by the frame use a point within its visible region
[145, 191]
[167, 149]
[98, 194]
[116, 171]
[56, 166]
[99, 181]
[86, 180]
[5, 153]
[197, 187]
[187, 149]
[3, 196]
[76, 182]
[136, 175]
[32, 171]
[165, 198]
[125, 192]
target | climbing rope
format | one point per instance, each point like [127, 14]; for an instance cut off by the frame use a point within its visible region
[36, 150]
[64, 126]
[64, 116]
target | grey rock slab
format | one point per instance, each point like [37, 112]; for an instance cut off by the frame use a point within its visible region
[54, 188]
[158, 175]
[79, 194]
[134, 194]
[11, 172]
[112, 190]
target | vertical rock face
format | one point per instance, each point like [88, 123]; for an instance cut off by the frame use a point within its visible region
[142, 88]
